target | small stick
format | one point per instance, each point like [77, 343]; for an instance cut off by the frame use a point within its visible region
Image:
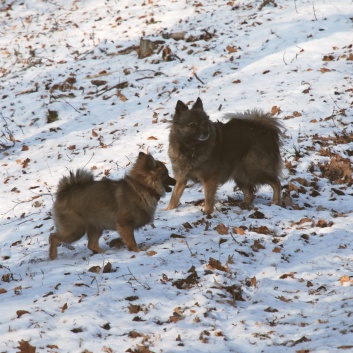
[284, 59]
[314, 11]
[145, 286]
[118, 86]
[195, 74]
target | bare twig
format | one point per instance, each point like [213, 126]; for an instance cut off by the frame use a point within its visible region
[192, 254]
[144, 78]
[284, 59]
[314, 11]
[145, 286]
[177, 57]
[26, 201]
[118, 86]
[156, 73]
[56, 98]
[94, 279]
[198, 78]
[23, 217]
[88, 160]
[9, 139]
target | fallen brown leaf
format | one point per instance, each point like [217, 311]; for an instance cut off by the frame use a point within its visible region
[94, 269]
[231, 49]
[346, 281]
[221, 229]
[64, 307]
[275, 110]
[284, 299]
[121, 96]
[25, 347]
[134, 309]
[215, 264]
[239, 231]
[107, 268]
[21, 312]
[151, 253]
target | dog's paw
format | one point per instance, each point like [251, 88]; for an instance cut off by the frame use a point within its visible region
[208, 211]
[168, 208]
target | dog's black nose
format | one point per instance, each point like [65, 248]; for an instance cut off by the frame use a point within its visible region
[171, 181]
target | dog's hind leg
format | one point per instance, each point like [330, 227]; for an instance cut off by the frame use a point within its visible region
[64, 236]
[177, 192]
[93, 235]
[276, 186]
[126, 232]
[248, 192]
[53, 247]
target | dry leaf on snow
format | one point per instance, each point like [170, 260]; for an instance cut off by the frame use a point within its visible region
[346, 281]
[134, 309]
[221, 229]
[25, 347]
[215, 264]
[21, 312]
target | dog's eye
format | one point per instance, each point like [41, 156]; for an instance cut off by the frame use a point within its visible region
[192, 125]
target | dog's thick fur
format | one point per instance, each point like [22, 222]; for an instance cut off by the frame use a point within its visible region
[246, 149]
[84, 205]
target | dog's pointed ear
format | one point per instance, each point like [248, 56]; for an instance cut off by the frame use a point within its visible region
[198, 104]
[180, 107]
[142, 155]
[148, 159]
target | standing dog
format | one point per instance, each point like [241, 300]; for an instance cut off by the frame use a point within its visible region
[246, 149]
[84, 205]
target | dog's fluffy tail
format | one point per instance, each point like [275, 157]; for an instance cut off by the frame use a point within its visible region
[260, 117]
[80, 177]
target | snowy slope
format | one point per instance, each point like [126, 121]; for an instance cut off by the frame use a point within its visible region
[271, 279]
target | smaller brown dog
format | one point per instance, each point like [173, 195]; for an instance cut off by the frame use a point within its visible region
[84, 205]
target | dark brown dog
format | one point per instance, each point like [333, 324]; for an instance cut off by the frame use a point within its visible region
[84, 205]
[246, 149]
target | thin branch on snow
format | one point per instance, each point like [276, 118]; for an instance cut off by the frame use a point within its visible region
[314, 11]
[55, 98]
[25, 201]
[198, 78]
[117, 86]
[7, 136]
[145, 286]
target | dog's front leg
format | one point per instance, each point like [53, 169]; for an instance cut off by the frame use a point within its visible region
[177, 192]
[210, 189]
[126, 232]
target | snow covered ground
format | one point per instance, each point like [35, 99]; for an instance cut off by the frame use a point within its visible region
[75, 94]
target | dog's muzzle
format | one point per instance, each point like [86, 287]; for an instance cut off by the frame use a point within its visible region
[170, 181]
